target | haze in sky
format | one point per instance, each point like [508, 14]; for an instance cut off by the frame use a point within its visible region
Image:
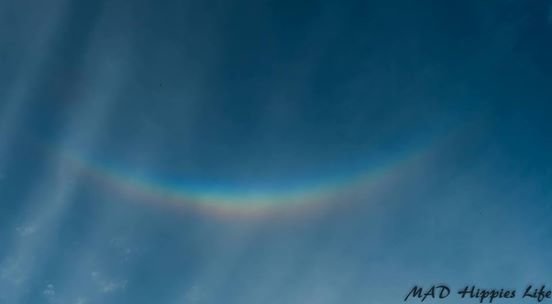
[290, 152]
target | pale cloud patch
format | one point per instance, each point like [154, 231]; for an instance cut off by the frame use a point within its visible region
[12, 271]
[193, 295]
[49, 291]
[26, 230]
[112, 286]
[81, 301]
[107, 285]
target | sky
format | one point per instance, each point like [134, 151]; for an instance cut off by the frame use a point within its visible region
[309, 152]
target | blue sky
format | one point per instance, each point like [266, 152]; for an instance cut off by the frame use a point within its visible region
[272, 151]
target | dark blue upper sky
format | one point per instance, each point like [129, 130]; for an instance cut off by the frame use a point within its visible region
[446, 104]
